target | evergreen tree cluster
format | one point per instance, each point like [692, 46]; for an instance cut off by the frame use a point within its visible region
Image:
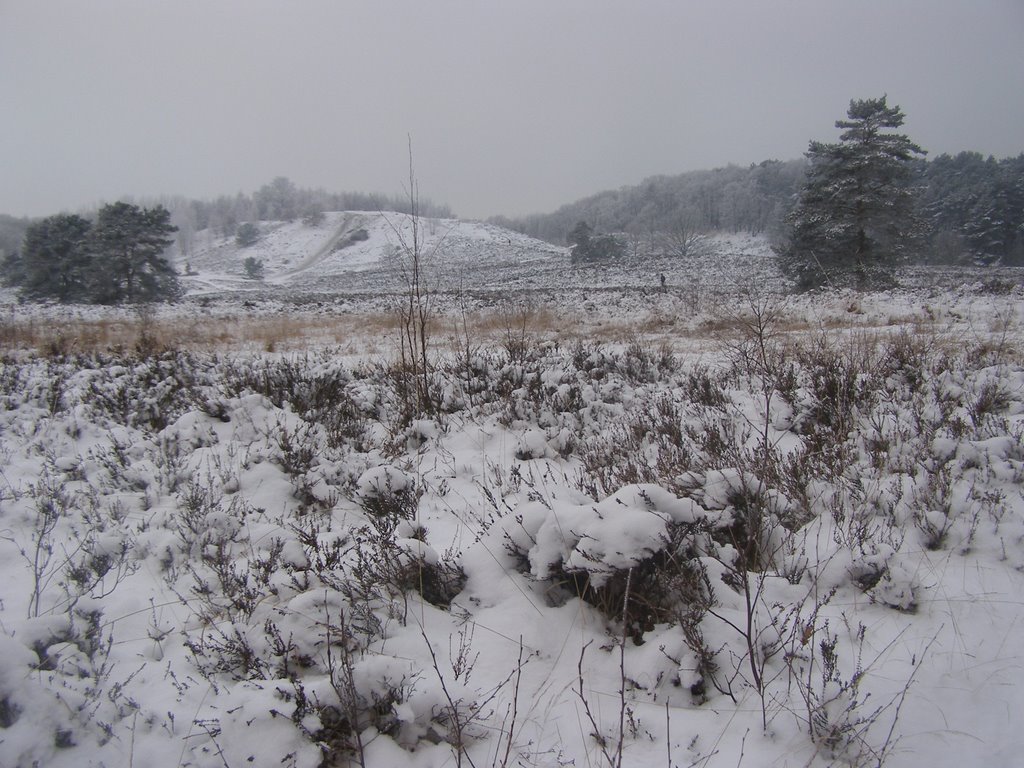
[856, 217]
[871, 196]
[975, 207]
[247, 234]
[870, 204]
[118, 258]
[587, 246]
[735, 199]
[225, 216]
[253, 268]
[12, 233]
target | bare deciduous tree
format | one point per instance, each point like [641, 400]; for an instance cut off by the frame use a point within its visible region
[682, 239]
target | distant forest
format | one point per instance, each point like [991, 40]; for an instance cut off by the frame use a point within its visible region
[735, 199]
[973, 205]
[278, 200]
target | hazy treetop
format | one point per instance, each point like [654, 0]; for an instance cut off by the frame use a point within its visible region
[513, 107]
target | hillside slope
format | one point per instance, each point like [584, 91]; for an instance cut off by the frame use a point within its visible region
[358, 251]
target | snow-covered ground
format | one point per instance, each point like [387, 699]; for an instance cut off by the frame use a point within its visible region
[691, 527]
[361, 256]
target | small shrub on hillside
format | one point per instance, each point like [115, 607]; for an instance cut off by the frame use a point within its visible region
[247, 234]
[253, 268]
[357, 236]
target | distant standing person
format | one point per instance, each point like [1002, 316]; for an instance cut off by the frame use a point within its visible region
[663, 282]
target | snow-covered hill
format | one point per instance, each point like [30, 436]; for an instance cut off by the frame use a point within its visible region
[362, 253]
[359, 251]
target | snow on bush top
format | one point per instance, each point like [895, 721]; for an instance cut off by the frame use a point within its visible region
[383, 481]
[614, 534]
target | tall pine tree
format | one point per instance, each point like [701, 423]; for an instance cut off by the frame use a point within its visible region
[855, 219]
[129, 244]
[55, 259]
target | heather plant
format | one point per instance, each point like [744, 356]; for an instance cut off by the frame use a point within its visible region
[741, 532]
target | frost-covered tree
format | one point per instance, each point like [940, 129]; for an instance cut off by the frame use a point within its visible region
[12, 235]
[247, 234]
[681, 238]
[277, 201]
[55, 259]
[253, 268]
[586, 246]
[579, 236]
[855, 219]
[995, 229]
[977, 205]
[128, 244]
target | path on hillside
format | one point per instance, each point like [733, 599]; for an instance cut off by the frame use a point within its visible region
[345, 228]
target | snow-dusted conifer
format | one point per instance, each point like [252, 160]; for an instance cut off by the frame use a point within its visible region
[55, 258]
[855, 219]
[129, 244]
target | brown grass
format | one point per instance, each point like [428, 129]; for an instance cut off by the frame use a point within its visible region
[374, 333]
[358, 333]
[226, 333]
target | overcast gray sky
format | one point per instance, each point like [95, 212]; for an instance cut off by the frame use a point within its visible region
[514, 106]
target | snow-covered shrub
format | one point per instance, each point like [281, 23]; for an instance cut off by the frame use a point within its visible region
[908, 356]
[753, 517]
[296, 447]
[896, 587]
[933, 506]
[641, 364]
[592, 359]
[314, 386]
[11, 388]
[150, 391]
[260, 722]
[650, 447]
[388, 495]
[533, 444]
[703, 387]
[33, 724]
[837, 719]
[204, 524]
[473, 371]
[421, 569]
[989, 399]
[836, 387]
[630, 555]
[59, 687]
[390, 563]
[418, 434]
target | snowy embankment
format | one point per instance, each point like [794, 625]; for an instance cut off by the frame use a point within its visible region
[358, 258]
[363, 255]
[791, 540]
[360, 252]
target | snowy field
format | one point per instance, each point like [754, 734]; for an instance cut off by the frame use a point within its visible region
[697, 527]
